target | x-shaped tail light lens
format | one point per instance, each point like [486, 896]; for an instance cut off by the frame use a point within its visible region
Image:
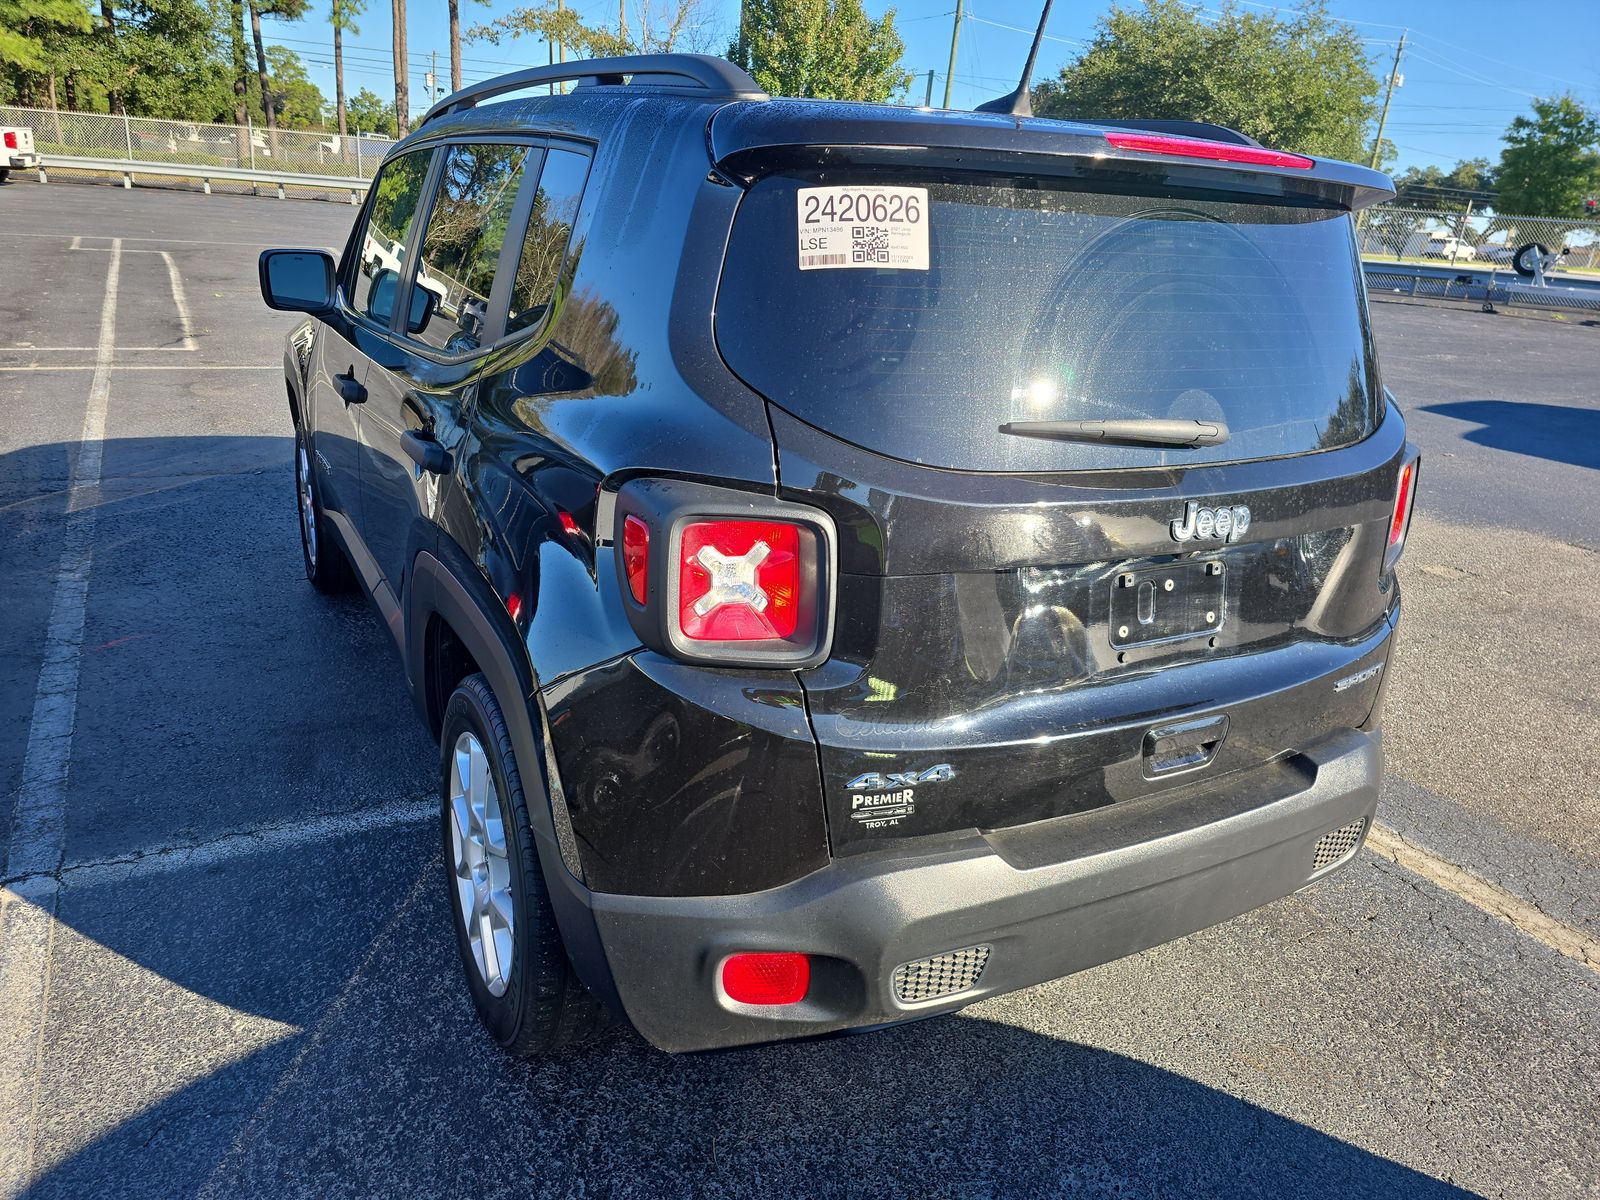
[739, 581]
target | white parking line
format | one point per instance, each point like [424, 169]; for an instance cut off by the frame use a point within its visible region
[27, 912]
[1480, 893]
[148, 367]
[230, 846]
[179, 302]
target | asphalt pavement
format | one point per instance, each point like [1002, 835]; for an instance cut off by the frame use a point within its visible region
[249, 986]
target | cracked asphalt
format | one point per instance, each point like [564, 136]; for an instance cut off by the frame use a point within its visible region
[250, 985]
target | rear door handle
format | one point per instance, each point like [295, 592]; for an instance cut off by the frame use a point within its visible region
[426, 452]
[350, 389]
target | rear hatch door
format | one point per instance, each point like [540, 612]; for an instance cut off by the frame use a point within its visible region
[1036, 619]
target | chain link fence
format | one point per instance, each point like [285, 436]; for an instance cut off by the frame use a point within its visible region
[1485, 241]
[1414, 235]
[155, 141]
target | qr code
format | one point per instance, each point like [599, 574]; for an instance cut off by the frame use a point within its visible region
[869, 244]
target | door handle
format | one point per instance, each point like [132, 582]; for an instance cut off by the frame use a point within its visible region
[426, 452]
[1183, 746]
[350, 389]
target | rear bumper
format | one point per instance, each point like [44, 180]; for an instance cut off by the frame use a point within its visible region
[23, 162]
[1048, 899]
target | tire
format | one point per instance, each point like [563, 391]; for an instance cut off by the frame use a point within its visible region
[1522, 261]
[326, 565]
[534, 1005]
[5, 174]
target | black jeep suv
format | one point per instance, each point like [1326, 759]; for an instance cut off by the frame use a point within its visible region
[857, 560]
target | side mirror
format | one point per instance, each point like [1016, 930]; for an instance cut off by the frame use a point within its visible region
[424, 303]
[297, 280]
[380, 301]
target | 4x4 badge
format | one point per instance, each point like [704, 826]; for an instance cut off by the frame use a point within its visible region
[874, 780]
[1226, 523]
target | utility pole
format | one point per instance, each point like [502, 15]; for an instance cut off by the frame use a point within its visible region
[1388, 95]
[927, 101]
[622, 20]
[955, 34]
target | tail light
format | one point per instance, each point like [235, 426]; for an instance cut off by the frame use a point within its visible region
[1405, 498]
[1183, 147]
[766, 979]
[718, 576]
[739, 581]
[11, 139]
[636, 558]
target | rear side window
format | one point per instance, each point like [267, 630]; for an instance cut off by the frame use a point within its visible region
[466, 231]
[1040, 303]
[385, 243]
[555, 209]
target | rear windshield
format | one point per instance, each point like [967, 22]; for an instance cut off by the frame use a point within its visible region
[1020, 303]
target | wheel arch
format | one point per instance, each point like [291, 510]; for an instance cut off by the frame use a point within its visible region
[442, 602]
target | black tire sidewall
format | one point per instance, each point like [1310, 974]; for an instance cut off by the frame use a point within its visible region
[1521, 261]
[331, 574]
[535, 934]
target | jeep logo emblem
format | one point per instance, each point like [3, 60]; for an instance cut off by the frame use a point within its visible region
[1227, 523]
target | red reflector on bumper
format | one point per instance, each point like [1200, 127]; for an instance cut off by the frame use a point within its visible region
[766, 978]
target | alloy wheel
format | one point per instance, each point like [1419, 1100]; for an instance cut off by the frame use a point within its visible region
[482, 869]
[308, 506]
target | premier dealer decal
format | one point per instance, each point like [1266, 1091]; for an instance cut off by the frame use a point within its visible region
[841, 228]
[877, 808]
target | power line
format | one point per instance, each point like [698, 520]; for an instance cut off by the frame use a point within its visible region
[1049, 37]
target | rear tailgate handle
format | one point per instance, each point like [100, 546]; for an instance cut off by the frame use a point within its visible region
[1183, 745]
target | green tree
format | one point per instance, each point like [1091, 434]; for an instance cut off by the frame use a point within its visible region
[1301, 81]
[370, 113]
[342, 17]
[284, 10]
[1551, 160]
[300, 103]
[30, 32]
[402, 66]
[658, 29]
[155, 58]
[827, 49]
[1430, 187]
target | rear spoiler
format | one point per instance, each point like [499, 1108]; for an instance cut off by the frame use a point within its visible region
[751, 140]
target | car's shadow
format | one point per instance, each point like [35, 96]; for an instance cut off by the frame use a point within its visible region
[382, 1084]
[286, 1017]
[1556, 432]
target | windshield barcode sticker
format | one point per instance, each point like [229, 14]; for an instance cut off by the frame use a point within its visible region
[863, 227]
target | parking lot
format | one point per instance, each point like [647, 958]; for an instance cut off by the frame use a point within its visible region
[211, 776]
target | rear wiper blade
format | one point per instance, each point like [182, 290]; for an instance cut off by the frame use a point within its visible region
[1151, 431]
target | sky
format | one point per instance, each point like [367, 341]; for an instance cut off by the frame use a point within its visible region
[1468, 68]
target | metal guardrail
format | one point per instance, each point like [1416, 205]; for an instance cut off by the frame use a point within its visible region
[155, 140]
[1490, 287]
[129, 168]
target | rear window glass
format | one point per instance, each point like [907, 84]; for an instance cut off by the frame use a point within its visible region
[555, 208]
[1039, 304]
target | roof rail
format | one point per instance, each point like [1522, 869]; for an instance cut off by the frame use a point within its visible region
[701, 75]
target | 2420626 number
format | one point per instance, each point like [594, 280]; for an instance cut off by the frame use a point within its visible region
[863, 206]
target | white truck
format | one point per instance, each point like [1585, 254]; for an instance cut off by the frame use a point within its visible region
[16, 150]
[1438, 244]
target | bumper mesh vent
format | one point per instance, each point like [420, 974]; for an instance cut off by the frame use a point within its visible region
[942, 975]
[1338, 845]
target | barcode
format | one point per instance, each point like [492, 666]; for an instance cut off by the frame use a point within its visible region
[822, 260]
